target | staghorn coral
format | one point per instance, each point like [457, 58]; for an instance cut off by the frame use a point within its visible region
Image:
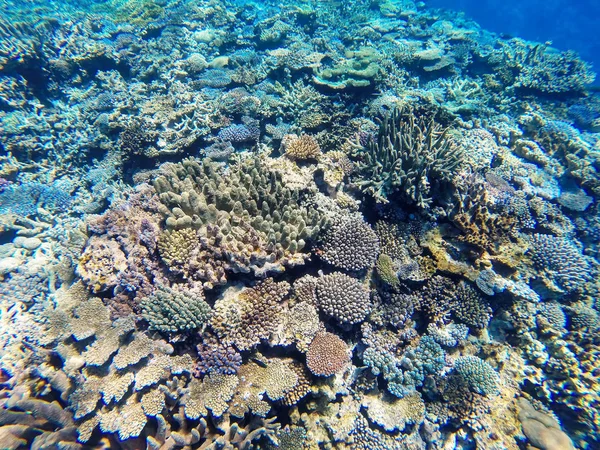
[245, 318]
[350, 244]
[170, 311]
[343, 297]
[28, 420]
[410, 157]
[327, 354]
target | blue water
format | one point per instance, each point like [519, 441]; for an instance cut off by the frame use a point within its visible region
[570, 25]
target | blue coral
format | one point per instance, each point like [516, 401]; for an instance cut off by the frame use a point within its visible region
[560, 260]
[239, 133]
[406, 374]
[25, 199]
[478, 375]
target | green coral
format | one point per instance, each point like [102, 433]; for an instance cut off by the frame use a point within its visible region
[245, 218]
[171, 311]
[478, 375]
[386, 270]
[410, 157]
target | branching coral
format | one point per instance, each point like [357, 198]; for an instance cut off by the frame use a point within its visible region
[301, 147]
[560, 262]
[411, 157]
[478, 374]
[244, 319]
[327, 354]
[343, 298]
[350, 244]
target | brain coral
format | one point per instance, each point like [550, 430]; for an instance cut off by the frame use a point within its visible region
[327, 354]
[350, 244]
[343, 297]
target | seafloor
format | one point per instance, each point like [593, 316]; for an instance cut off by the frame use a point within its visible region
[323, 225]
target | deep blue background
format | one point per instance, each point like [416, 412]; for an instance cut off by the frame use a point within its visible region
[568, 24]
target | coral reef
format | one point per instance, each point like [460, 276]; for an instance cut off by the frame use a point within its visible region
[237, 225]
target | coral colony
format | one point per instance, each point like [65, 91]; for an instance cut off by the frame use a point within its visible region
[254, 225]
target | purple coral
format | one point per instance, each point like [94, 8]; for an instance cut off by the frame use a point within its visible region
[216, 357]
[239, 133]
[4, 183]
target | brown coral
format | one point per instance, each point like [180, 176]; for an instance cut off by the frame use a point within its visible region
[247, 317]
[327, 354]
[101, 263]
[301, 147]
